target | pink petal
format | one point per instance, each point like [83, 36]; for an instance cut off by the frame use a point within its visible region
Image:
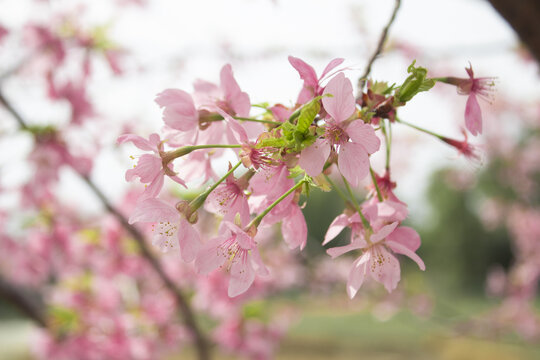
[358, 274]
[332, 64]
[312, 158]
[189, 240]
[146, 169]
[339, 223]
[239, 132]
[294, 228]
[138, 141]
[280, 112]
[364, 135]
[406, 236]
[153, 210]
[353, 162]
[340, 250]
[306, 71]
[170, 97]
[402, 249]
[383, 232]
[258, 264]
[180, 112]
[473, 115]
[209, 257]
[392, 210]
[238, 100]
[153, 189]
[242, 276]
[341, 105]
[384, 267]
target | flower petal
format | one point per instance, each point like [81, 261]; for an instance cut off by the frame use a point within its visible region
[332, 64]
[341, 105]
[189, 240]
[358, 274]
[312, 158]
[153, 210]
[473, 115]
[402, 249]
[307, 73]
[337, 225]
[294, 228]
[384, 267]
[353, 162]
[242, 276]
[364, 135]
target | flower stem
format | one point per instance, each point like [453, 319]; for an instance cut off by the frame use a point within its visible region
[271, 122]
[440, 137]
[387, 131]
[199, 200]
[184, 150]
[256, 221]
[365, 222]
[379, 195]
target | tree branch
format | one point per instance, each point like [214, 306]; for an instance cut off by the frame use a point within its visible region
[523, 16]
[384, 34]
[201, 343]
[28, 303]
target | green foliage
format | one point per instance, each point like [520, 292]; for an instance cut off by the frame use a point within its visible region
[415, 83]
[457, 249]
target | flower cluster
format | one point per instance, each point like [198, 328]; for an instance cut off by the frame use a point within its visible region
[283, 153]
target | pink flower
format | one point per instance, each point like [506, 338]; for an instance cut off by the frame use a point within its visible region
[151, 168]
[229, 199]
[171, 229]
[267, 185]
[237, 251]
[353, 141]
[75, 94]
[3, 33]
[227, 96]
[377, 259]
[463, 147]
[180, 112]
[312, 87]
[473, 87]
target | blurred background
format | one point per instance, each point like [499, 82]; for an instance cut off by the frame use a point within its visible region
[479, 220]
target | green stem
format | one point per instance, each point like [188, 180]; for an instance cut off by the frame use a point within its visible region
[199, 200]
[440, 137]
[217, 117]
[365, 222]
[184, 150]
[258, 120]
[387, 131]
[255, 222]
[379, 195]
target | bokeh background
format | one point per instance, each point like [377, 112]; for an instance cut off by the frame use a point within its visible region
[479, 220]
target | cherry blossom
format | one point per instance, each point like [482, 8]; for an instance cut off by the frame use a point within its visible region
[353, 141]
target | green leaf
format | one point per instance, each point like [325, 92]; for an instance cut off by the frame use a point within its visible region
[415, 83]
[307, 115]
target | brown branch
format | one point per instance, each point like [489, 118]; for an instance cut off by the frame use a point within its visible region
[523, 16]
[201, 343]
[29, 303]
[384, 34]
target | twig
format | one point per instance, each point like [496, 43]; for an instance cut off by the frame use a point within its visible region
[187, 313]
[200, 341]
[24, 300]
[362, 80]
[13, 112]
